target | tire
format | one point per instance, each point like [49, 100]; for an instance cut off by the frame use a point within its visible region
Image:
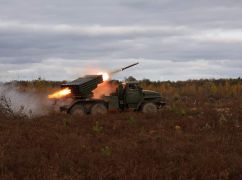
[149, 108]
[78, 110]
[99, 108]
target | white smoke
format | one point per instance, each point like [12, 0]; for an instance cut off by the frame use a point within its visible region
[28, 103]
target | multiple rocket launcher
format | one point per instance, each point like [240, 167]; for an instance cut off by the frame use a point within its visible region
[84, 101]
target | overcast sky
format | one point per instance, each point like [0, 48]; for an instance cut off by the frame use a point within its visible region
[172, 39]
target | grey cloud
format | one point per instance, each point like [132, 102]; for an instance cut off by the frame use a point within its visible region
[172, 39]
[199, 13]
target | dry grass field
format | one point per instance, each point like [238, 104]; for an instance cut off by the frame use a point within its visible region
[198, 135]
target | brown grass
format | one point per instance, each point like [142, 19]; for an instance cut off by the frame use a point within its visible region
[194, 137]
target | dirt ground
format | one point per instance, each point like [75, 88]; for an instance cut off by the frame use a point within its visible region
[196, 136]
[196, 144]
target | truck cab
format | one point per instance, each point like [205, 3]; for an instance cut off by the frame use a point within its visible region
[133, 95]
[130, 95]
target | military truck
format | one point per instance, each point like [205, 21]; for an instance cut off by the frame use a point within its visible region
[129, 96]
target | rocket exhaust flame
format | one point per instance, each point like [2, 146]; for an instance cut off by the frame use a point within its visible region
[105, 75]
[105, 88]
[60, 94]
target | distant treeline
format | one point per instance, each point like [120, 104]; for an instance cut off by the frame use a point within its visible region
[216, 88]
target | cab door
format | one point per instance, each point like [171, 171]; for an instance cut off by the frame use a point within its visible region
[133, 96]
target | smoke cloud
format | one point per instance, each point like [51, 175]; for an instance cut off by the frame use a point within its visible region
[25, 102]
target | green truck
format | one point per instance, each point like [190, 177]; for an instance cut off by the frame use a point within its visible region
[129, 96]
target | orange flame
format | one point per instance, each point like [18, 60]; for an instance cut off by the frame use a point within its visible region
[60, 94]
[105, 75]
[105, 88]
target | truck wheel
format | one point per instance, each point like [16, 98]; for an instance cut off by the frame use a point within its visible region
[149, 108]
[77, 110]
[99, 108]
